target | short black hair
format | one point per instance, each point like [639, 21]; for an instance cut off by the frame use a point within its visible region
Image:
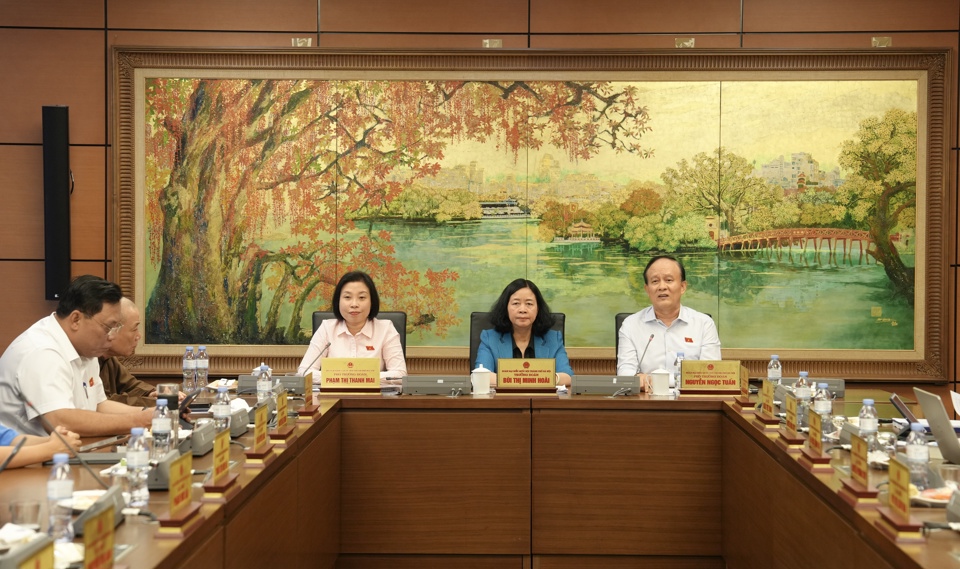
[500, 318]
[354, 277]
[88, 294]
[683, 271]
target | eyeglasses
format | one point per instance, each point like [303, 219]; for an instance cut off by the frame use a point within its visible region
[110, 331]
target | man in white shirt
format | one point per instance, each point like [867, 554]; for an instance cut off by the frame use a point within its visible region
[651, 338]
[53, 365]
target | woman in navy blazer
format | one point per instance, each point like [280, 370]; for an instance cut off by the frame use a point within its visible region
[521, 329]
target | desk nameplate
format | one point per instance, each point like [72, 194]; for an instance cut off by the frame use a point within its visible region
[526, 375]
[350, 375]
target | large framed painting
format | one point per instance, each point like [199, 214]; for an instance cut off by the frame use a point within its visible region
[803, 191]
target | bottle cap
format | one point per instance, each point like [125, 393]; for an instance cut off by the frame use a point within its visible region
[774, 357]
[679, 354]
[804, 373]
[868, 401]
[161, 402]
[263, 367]
[222, 389]
[823, 385]
[137, 431]
[201, 347]
[916, 427]
[189, 348]
[60, 457]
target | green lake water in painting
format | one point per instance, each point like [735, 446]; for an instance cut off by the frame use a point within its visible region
[800, 301]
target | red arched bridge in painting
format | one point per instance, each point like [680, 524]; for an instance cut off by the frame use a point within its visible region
[801, 239]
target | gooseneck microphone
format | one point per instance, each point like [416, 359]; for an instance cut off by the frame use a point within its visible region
[323, 351]
[639, 363]
[53, 431]
[13, 453]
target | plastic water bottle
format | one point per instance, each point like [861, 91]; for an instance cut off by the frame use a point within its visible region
[775, 369]
[221, 409]
[60, 499]
[803, 393]
[161, 428]
[918, 456]
[677, 363]
[138, 466]
[823, 405]
[264, 385]
[189, 369]
[203, 367]
[869, 425]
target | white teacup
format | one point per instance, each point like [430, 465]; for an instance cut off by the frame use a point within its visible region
[660, 382]
[480, 381]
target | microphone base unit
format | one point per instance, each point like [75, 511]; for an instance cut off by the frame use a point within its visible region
[239, 418]
[435, 385]
[605, 385]
[202, 438]
[159, 476]
[247, 384]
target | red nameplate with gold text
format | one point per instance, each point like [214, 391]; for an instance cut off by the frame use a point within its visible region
[815, 436]
[98, 540]
[221, 455]
[181, 477]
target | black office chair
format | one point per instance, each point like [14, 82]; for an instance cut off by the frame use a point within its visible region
[480, 321]
[399, 320]
[617, 323]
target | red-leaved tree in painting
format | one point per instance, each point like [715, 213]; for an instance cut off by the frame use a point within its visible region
[251, 186]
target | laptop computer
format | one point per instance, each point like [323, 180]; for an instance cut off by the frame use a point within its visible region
[939, 421]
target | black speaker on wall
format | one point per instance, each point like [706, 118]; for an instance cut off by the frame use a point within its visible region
[57, 187]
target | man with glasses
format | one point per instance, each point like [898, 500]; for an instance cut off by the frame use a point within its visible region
[118, 383]
[53, 366]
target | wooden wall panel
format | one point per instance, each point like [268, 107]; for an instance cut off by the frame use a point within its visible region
[418, 41]
[849, 15]
[431, 562]
[424, 16]
[23, 298]
[209, 555]
[764, 504]
[249, 40]
[849, 41]
[631, 41]
[402, 475]
[52, 67]
[53, 13]
[276, 15]
[318, 490]
[633, 16]
[659, 471]
[21, 183]
[263, 533]
[625, 562]
[98, 268]
[88, 213]
[21, 187]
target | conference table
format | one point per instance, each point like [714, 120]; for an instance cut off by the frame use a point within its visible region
[536, 481]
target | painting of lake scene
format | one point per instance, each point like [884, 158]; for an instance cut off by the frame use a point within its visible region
[792, 203]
